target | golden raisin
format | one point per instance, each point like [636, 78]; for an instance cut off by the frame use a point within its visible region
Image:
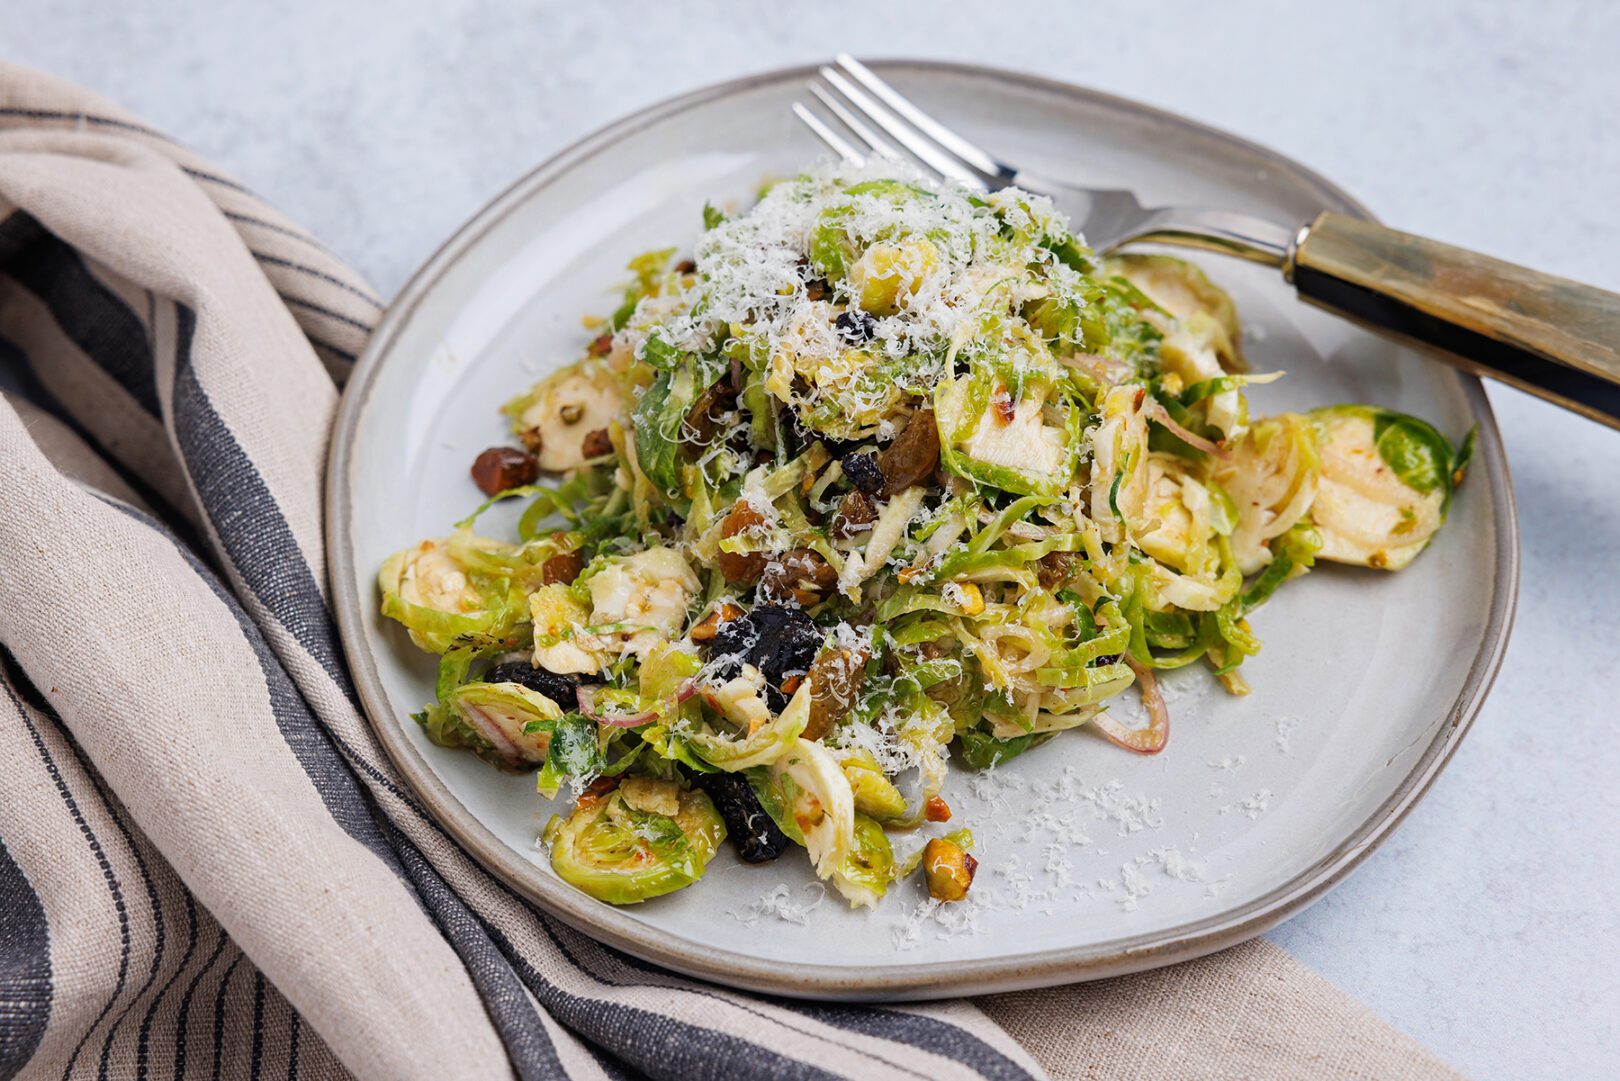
[853, 515]
[835, 679]
[703, 420]
[563, 567]
[802, 574]
[500, 468]
[1055, 568]
[937, 810]
[742, 566]
[596, 444]
[913, 455]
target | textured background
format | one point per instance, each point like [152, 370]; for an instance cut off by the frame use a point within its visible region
[1489, 927]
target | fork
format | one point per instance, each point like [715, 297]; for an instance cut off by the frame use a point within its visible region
[1555, 338]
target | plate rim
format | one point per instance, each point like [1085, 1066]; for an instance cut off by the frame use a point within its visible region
[919, 980]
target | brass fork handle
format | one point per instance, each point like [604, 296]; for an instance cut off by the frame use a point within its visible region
[1555, 338]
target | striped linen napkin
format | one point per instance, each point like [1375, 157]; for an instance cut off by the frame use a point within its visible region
[207, 864]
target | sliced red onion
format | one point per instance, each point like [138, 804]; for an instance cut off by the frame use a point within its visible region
[586, 696]
[485, 725]
[1149, 740]
[1158, 412]
[1101, 369]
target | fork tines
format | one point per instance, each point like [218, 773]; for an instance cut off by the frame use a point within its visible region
[855, 101]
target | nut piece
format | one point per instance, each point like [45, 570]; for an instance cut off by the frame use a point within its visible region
[742, 566]
[598, 790]
[601, 345]
[968, 596]
[709, 625]
[937, 810]
[500, 468]
[801, 574]
[596, 444]
[949, 869]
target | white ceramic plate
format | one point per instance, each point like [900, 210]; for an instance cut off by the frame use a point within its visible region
[1094, 862]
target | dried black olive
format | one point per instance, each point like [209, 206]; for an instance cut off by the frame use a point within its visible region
[778, 640]
[855, 326]
[863, 472]
[757, 838]
[562, 690]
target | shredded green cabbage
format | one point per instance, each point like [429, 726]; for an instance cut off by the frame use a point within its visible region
[895, 469]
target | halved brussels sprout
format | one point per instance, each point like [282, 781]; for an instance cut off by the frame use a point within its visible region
[649, 591]
[622, 855]
[1175, 523]
[437, 599]
[764, 745]
[887, 275]
[832, 247]
[874, 793]
[949, 869]
[559, 622]
[818, 802]
[1385, 484]
[1186, 292]
[513, 720]
[1015, 436]
[558, 412]
[863, 876]
[993, 422]
[1270, 475]
[1203, 342]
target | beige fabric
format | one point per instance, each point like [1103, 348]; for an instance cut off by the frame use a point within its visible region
[205, 857]
[1250, 1012]
[69, 454]
[216, 997]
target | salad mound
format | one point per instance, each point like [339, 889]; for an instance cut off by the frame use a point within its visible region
[887, 476]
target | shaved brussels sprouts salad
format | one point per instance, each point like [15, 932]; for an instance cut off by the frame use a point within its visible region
[887, 475]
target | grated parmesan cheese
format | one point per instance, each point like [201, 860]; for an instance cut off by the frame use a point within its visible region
[779, 903]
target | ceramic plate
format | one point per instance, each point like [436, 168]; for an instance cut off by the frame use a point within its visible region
[1094, 862]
